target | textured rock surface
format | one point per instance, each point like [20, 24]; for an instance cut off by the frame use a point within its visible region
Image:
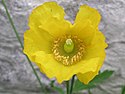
[16, 75]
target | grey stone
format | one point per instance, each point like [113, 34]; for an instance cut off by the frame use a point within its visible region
[16, 75]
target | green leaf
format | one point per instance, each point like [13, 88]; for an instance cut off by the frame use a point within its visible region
[102, 76]
[80, 86]
[55, 88]
[60, 90]
[97, 80]
[123, 90]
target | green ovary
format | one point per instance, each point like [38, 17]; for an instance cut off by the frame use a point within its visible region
[68, 46]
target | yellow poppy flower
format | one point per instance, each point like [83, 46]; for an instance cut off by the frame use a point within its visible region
[61, 49]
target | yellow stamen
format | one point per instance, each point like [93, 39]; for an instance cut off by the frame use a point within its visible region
[68, 48]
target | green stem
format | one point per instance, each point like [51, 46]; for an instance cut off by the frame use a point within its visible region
[99, 72]
[89, 91]
[72, 83]
[17, 35]
[67, 87]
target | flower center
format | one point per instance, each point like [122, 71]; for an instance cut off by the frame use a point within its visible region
[68, 49]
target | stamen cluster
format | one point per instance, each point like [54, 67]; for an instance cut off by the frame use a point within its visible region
[72, 58]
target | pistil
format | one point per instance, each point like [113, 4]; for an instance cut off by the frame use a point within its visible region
[68, 46]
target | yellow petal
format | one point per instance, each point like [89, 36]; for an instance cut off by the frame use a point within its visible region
[87, 77]
[52, 68]
[93, 39]
[100, 39]
[97, 47]
[36, 41]
[84, 30]
[49, 17]
[86, 12]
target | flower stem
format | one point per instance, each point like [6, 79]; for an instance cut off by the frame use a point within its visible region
[67, 87]
[89, 91]
[17, 35]
[72, 83]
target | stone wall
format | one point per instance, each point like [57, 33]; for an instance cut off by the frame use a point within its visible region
[16, 76]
